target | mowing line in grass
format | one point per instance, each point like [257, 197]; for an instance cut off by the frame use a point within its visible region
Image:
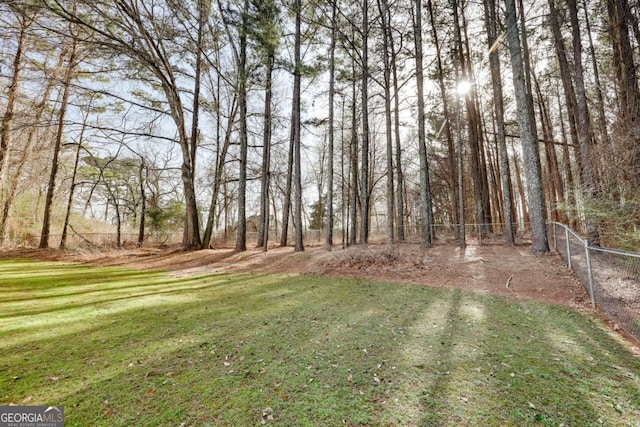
[120, 348]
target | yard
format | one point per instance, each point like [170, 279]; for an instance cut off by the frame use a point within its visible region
[196, 340]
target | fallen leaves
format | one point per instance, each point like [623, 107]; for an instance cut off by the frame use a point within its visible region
[267, 415]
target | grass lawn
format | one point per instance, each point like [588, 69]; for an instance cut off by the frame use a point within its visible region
[132, 348]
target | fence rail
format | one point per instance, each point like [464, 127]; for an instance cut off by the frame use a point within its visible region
[611, 277]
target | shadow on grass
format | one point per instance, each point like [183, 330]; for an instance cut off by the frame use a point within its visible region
[248, 349]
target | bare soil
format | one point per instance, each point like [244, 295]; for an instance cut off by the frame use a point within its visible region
[490, 267]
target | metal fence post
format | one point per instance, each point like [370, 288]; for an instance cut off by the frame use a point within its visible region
[589, 273]
[566, 236]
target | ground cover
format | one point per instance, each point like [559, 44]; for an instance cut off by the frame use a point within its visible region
[139, 347]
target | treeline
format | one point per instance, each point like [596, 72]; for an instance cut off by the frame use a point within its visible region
[199, 115]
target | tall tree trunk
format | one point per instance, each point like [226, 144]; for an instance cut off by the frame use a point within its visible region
[398, 153]
[12, 96]
[537, 211]
[297, 128]
[354, 162]
[527, 69]
[602, 118]
[619, 13]
[425, 187]
[38, 111]
[332, 84]
[462, 235]
[385, 16]
[263, 228]
[587, 171]
[566, 165]
[565, 74]
[474, 121]
[241, 236]
[552, 188]
[202, 13]
[143, 176]
[491, 22]
[451, 152]
[557, 187]
[69, 74]
[364, 172]
[286, 209]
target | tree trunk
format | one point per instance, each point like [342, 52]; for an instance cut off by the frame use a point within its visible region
[263, 228]
[474, 123]
[628, 123]
[221, 156]
[286, 209]
[332, 79]
[353, 223]
[537, 211]
[491, 20]
[364, 172]
[297, 128]
[425, 187]
[451, 152]
[241, 236]
[602, 118]
[38, 111]
[383, 8]
[143, 176]
[555, 189]
[566, 162]
[587, 171]
[398, 153]
[12, 96]
[69, 74]
[63, 238]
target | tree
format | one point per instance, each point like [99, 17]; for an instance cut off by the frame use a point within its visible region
[451, 152]
[628, 123]
[491, 23]
[587, 170]
[129, 28]
[530, 154]
[332, 84]
[296, 126]
[68, 78]
[425, 187]
[241, 236]
[25, 22]
[267, 35]
[385, 16]
[364, 166]
[318, 215]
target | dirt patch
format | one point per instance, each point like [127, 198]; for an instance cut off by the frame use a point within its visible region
[499, 269]
[492, 267]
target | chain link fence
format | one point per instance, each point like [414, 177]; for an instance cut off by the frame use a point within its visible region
[611, 277]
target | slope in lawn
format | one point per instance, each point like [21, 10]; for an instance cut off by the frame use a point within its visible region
[119, 347]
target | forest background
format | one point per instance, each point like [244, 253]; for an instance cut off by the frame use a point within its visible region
[367, 118]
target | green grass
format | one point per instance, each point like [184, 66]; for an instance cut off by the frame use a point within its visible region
[131, 348]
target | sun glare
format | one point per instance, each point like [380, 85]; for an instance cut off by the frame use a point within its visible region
[464, 87]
